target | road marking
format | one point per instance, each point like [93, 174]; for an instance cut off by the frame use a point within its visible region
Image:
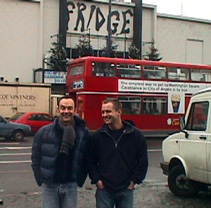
[14, 148]
[154, 183]
[34, 193]
[16, 171]
[18, 148]
[30, 193]
[12, 162]
[154, 150]
[9, 143]
[1, 190]
[14, 154]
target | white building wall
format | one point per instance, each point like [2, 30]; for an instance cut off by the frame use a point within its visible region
[19, 30]
[49, 23]
[148, 27]
[184, 40]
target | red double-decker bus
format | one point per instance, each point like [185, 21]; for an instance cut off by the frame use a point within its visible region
[153, 94]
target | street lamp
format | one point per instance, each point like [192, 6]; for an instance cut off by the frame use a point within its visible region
[109, 29]
[125, 46]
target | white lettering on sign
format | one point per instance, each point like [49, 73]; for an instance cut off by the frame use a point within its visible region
[78, 85]
[159, 86]
[54, 77]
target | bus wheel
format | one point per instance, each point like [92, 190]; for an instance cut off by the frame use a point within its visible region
[18, 135]
[179, 184]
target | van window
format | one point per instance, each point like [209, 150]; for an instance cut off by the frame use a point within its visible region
[197, 119]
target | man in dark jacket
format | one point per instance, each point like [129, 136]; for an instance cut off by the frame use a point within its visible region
[58, 154]
[117, 158]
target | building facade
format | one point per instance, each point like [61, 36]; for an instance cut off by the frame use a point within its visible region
[28, 29]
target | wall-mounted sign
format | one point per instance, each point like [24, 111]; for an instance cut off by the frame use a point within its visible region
[85, 15]
[54, 77]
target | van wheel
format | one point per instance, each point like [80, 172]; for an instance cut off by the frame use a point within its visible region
[178, 183]
[18, 135]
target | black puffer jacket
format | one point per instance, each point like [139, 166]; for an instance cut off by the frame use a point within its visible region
[117, 163]
[46, 147]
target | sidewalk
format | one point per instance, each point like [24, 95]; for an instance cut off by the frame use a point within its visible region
[148, 195]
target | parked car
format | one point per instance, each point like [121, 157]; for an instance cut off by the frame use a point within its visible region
[13, 130]
[187, 154]
[35, 120]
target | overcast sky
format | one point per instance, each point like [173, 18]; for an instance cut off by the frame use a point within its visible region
[190, 8]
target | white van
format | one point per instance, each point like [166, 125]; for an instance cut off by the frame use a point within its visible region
[187, 154]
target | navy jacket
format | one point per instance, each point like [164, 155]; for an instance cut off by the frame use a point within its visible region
[116, 164]
[46, 147]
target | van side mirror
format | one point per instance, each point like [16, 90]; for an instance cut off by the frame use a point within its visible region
[182, 126]
[182, 123]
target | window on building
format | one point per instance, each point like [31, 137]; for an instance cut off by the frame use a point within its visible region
[131, 105]
[155, 106]
[197, 119]
[154, 72]
[178, 73]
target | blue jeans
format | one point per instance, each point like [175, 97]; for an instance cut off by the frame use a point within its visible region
[108, 199]
[60, 195]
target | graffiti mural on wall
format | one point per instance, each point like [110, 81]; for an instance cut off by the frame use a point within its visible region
[84, 15]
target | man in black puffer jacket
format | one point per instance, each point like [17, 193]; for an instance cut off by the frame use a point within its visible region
[58, 157]
[117, 158]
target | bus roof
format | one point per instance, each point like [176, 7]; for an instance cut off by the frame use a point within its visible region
[136, 61]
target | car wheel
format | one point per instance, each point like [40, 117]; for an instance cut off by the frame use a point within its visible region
[18, 135]
[178, 183]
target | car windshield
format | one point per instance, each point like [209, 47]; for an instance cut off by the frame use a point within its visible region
[2, 119]
[16, 116]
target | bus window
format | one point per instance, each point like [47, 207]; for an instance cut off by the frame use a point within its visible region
[155, 106]
[129, 70]
[76, 70]
[130, 105]
[178, 73]
[154, 72]
[102, 69]
[200, 75]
